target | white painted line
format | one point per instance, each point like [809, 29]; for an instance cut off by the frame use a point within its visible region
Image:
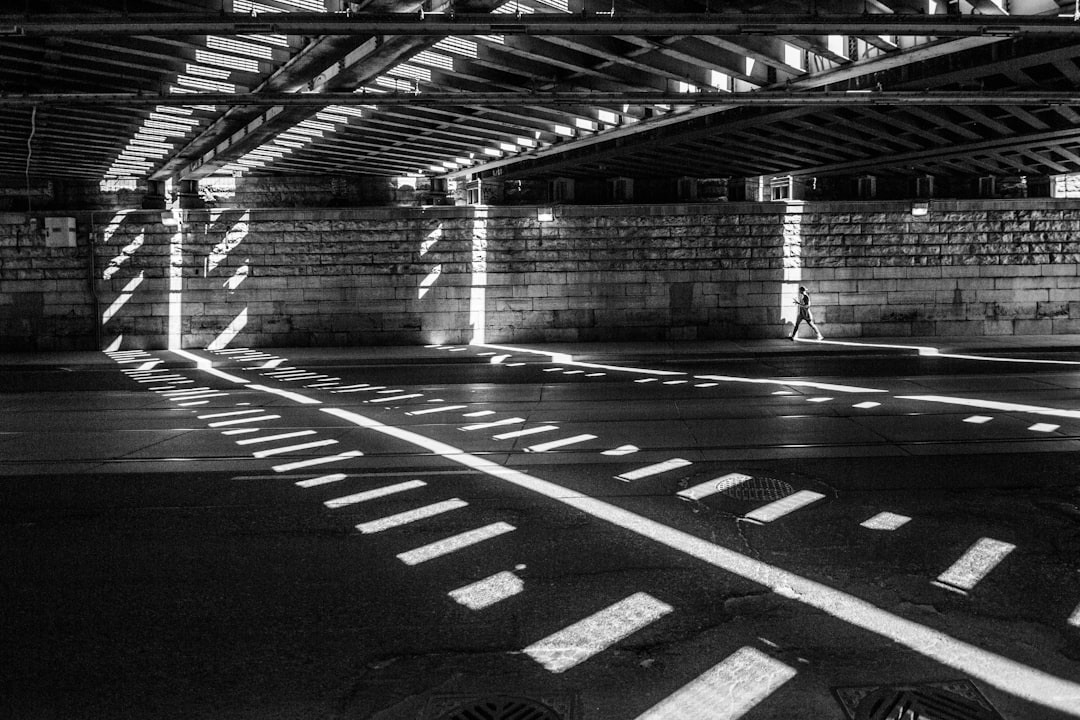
[238, 421]
[171, 382]
[514, 364]
[293, 448]
[995, 405]
[595, 374]
[163, 378]
[200, 395]
[553, 369]
[622, 450]
[410, 516]
[478, 413]
[829, 387]
[1010, 676]
[784, 506]
[390, 392]
[317, 461]
[579, 642]
[978, 419]
[271, 363]
[496, 423]
[455, 543]
[885, 521]
[645, 380]
[676, 382]
[866, 405]
[308, 376]
[485, 593]
[726, 691]
[975, 563]
[360, 389]
[286, 373]
[321, 480]
[574, 372]
[1044, 427]
[353, 387]
[193, 403]
[711, 487]
[271, 438]
[656, 469]
[441, 408]
[228, 414]
[818, 399]
[373, 494]
[710, 384]
[240, 431]
[544, 447]
[523, 433]
[391, 398]
[295, 397]
[232, 351]
[185, 390]
[329, 382]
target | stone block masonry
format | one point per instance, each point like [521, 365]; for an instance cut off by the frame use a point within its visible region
[392, 275]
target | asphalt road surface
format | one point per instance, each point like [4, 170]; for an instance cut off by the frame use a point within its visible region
[258, 535]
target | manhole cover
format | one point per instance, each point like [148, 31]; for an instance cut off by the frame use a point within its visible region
[501, 708]
[757, 488]
[954, 700]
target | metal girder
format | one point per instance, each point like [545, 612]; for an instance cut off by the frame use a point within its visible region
[766, 98]
[440, 25]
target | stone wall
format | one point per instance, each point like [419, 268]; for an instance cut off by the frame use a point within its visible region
[365, 276]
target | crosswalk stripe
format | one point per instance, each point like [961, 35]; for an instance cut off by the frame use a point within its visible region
[496, 423]
[271, 438]
[317, 461]
[485, 593]
[783, 506]
[544, 447]
[373, 494]
[238, 421]
[228, 414]
[711, 487]
[885, 521]
[523, 433]
[726, 691]
[579, 642]
[410, 516]
[292, 448]
[392, 398]
[321, 480]
[975, 564]
[649, 470]
[199, 395]
[369, 388]
[441, 408]
[455, 543]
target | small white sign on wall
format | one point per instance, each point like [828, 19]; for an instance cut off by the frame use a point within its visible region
[60, 232]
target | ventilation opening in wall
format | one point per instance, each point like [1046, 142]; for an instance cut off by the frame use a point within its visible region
[866, 187]
[621, 189]
[987, 186]
[924, 186]
[781, 188]
[561, 190]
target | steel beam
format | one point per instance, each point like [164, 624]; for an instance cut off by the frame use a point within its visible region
[761, 98]
[440, 25]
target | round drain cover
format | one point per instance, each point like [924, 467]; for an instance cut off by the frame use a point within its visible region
[759, 488]
[503, 708]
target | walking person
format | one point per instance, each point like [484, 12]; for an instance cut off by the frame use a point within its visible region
[803, 301]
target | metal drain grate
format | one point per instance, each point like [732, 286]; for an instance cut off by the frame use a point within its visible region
[954, 700]
[502, 708]
[758, 488]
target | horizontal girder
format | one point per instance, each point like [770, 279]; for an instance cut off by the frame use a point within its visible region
[433, 99]
[439, 25]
